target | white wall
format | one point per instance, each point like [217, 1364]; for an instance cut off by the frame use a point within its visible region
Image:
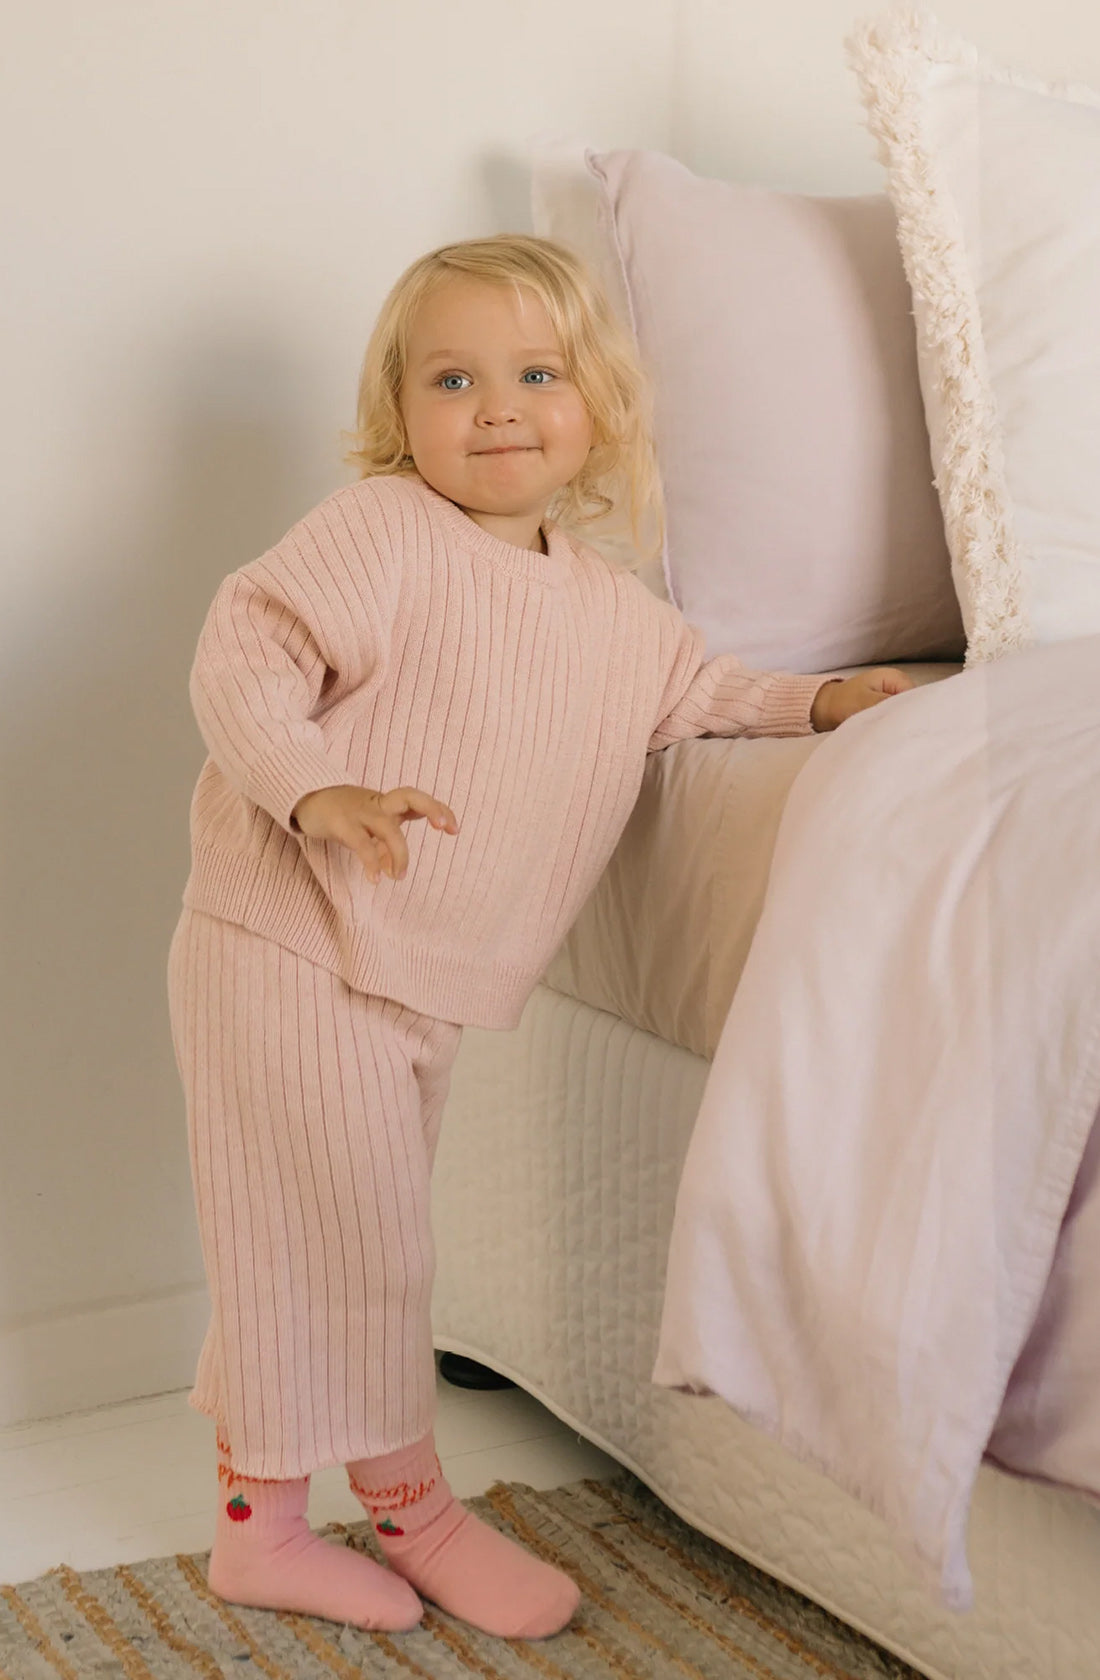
[209, 204]
[763, 93]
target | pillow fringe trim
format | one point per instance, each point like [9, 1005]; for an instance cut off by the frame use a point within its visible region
[890, 57]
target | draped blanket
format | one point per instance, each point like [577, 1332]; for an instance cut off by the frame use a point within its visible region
[886, 1247]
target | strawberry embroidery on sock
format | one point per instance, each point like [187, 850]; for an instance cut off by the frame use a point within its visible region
[388, 1527]
[239, 1510]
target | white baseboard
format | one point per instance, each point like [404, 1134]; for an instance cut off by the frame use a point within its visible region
[72, 1362]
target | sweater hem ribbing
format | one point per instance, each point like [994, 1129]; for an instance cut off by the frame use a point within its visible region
[293, 911]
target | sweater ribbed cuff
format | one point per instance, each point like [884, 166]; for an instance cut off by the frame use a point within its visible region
[788, 702]
[283, 777]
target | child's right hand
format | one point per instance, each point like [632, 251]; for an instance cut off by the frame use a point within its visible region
[369, 823]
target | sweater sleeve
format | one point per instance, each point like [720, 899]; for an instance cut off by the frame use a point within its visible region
[721, 697]
[310, 615]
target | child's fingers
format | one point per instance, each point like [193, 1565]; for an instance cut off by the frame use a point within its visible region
[443, 814]
[414, 802]
[370, 855]
[391, 843]
[889, 681]
[376, 837]
[373, 850]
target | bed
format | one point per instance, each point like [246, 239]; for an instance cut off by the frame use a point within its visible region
[781, 324]
[554, 1192]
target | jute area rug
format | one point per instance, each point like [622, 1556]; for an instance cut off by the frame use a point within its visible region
[659, 1599]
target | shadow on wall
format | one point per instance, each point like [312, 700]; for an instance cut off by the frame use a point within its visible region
[507, 185]
[95, 1199]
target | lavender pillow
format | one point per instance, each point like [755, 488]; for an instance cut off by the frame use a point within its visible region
[804, 530]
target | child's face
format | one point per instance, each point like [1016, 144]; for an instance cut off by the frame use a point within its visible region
[493, 420]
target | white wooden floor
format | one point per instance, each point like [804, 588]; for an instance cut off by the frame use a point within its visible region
[137, 1480]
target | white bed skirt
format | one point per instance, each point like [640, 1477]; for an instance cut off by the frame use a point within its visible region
[553, 1197]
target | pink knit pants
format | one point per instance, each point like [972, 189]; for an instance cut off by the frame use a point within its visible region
[313, 1113]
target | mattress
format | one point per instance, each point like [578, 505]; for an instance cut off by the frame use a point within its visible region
[663, 937]
[554, 1189]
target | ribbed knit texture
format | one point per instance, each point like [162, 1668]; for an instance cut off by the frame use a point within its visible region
[388, 641]
[313, 1115]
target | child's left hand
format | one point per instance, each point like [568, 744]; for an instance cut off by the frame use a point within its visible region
[841, 697]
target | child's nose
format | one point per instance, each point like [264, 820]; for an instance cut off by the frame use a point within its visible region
[498, 405]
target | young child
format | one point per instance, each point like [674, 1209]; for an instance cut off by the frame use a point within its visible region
[427, 679]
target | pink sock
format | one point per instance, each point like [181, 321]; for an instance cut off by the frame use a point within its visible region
[266, 1555]
[451, 1556]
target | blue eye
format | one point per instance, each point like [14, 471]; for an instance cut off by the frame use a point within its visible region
[459, 381]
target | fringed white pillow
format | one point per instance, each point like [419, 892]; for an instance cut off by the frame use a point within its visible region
[995, 179]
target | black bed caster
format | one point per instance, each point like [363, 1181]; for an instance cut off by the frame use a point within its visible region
[467, 1373]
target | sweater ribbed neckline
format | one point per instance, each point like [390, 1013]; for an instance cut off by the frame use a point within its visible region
[508, 557]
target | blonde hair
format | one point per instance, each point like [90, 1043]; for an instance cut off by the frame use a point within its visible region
[621, 470]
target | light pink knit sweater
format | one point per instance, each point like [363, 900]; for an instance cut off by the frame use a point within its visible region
[389, 641]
